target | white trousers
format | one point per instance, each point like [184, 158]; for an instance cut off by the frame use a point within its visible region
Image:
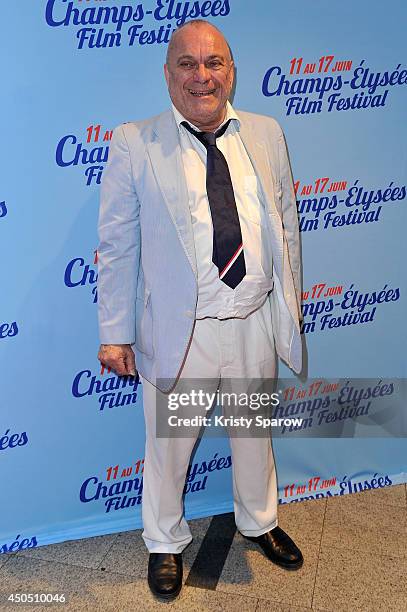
[230, 349]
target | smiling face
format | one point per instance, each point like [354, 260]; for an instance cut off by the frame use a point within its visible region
[199, 74]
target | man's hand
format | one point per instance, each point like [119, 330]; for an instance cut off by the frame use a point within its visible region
[118, 357]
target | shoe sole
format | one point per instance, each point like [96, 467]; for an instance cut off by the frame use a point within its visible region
[290, 566]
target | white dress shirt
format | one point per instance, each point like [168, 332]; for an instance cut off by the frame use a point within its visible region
[215, 298]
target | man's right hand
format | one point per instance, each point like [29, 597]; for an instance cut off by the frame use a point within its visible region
[118, 357]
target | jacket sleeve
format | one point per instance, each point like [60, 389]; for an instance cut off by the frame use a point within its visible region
[290, 217]
[119, 246]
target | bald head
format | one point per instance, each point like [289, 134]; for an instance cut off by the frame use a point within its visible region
[195, 23]
[199, 73]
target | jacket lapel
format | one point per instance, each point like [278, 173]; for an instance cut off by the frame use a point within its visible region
[166, 159]
[257, 152]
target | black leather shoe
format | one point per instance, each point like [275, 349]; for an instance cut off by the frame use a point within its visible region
[165, 575]
[280, 549]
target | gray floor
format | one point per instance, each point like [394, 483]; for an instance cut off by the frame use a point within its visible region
[355, 559]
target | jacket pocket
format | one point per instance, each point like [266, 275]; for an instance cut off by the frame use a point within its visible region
[144, 325]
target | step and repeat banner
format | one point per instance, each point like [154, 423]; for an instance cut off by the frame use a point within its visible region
[334, 75]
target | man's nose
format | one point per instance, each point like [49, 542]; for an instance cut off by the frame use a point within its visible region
[202, 74]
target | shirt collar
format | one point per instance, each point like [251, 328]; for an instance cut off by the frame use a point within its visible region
[230, 114]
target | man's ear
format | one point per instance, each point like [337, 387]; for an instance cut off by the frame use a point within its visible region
[166, 73]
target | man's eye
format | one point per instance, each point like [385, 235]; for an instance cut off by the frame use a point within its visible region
[215, 64]
[186, 64]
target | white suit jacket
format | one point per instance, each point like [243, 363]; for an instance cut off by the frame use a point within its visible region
[147, 283]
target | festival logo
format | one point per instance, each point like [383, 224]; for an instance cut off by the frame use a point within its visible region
[338, 85]
[331, 204]
[317, 487]
[78, 273]
[126, 24]
[342, 409]
[121, 486]
[112, 391]
[329, 307]
[88, 153]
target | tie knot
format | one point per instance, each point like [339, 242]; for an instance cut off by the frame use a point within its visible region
[208, 139]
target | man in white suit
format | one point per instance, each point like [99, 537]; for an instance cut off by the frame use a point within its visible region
[200, 278]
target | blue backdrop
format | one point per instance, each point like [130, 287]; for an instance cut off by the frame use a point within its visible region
[72, 437]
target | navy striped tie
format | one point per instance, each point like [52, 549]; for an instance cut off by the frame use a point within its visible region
[227, 255]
